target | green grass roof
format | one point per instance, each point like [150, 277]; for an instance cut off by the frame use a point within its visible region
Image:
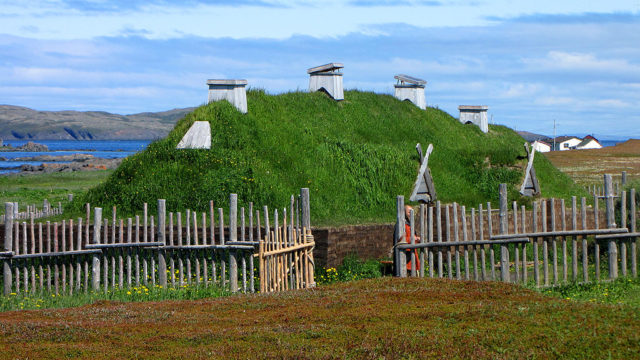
[355, 156]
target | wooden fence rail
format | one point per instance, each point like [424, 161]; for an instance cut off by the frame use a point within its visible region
[162, 251]
[552, 242]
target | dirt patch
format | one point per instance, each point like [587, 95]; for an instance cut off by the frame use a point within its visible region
[586, 167]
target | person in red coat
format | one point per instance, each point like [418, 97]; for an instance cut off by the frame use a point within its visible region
[407, 237]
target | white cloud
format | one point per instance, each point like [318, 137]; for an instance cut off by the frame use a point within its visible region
[574, 61]
[520, 90]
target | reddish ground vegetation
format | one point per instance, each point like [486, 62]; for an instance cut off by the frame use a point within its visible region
[587, 166]
[381, 318]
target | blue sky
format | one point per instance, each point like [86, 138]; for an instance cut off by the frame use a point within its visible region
[531, 62]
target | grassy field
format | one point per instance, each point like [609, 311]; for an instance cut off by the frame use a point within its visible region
[377, 318]
[587, 166]
[34, 188]
[355, 156]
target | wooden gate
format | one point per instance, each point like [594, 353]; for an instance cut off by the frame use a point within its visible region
[286, 259]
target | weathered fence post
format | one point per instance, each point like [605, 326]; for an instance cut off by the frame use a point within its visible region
[504, 250]
[162, 262]
[398, 234]
[95, 268]
[624, 178]
[306, 208]
[632, 224]
[613, 249]
[8, 246]
[233, 237]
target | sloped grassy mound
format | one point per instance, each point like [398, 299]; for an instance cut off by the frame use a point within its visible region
[355, 156]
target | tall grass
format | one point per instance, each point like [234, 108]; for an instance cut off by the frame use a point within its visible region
[355, 156]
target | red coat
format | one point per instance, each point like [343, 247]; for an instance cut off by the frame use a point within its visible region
[407, 234]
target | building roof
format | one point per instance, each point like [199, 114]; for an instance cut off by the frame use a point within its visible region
[409, 79]
[239, 82]
[561, 139]
[541, 142]
[587, 140]
[325, 67]
[473, 107]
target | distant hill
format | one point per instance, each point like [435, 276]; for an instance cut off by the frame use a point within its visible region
[529, 136]
[17, 123]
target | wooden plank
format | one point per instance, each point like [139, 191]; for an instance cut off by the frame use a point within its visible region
[482, 248]
[632, 223]
[563, 239]
[233, 236]
[456, 237]
[205, 267]
[104, 259]
[610, 216]
[95, 269]
[447, 220]
[136, 253]
[545, 245]
[71, 264]
[306, 208]
[129, 263]
[524, 246]
[474, 235]
[439, 236]
[492, 259]
[430, 239]
[623, 224]
[180, 254]
[125, 245]
[585, 258]
[617, 236]
[422, 219]
[465, 237]
[412, 241]
[463, 243]
[398, 238]
[153, 260]
[188, 242]
[516, 256]
[554, 242]
[504, 251]
[78, 260]
[33, 250]
[596, 245]
[545, 233]
[223, 266]
[196, 241]
[172, 262]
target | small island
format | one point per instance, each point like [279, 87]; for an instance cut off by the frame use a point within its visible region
[29, 146]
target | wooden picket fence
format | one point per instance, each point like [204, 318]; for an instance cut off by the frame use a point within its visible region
[33, 212]
[70, 256]
[463, 244]
[599, 190]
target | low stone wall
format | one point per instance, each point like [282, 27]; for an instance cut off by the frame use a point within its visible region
[366, 241]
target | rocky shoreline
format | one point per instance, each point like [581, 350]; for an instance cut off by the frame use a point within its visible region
[29, 146]
[75, 162]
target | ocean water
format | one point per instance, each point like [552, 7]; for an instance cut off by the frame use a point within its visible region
[606, 143]
[108, 149]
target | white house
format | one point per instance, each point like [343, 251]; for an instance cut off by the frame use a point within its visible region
[567, 142]
[541, 146]
[589, 142]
